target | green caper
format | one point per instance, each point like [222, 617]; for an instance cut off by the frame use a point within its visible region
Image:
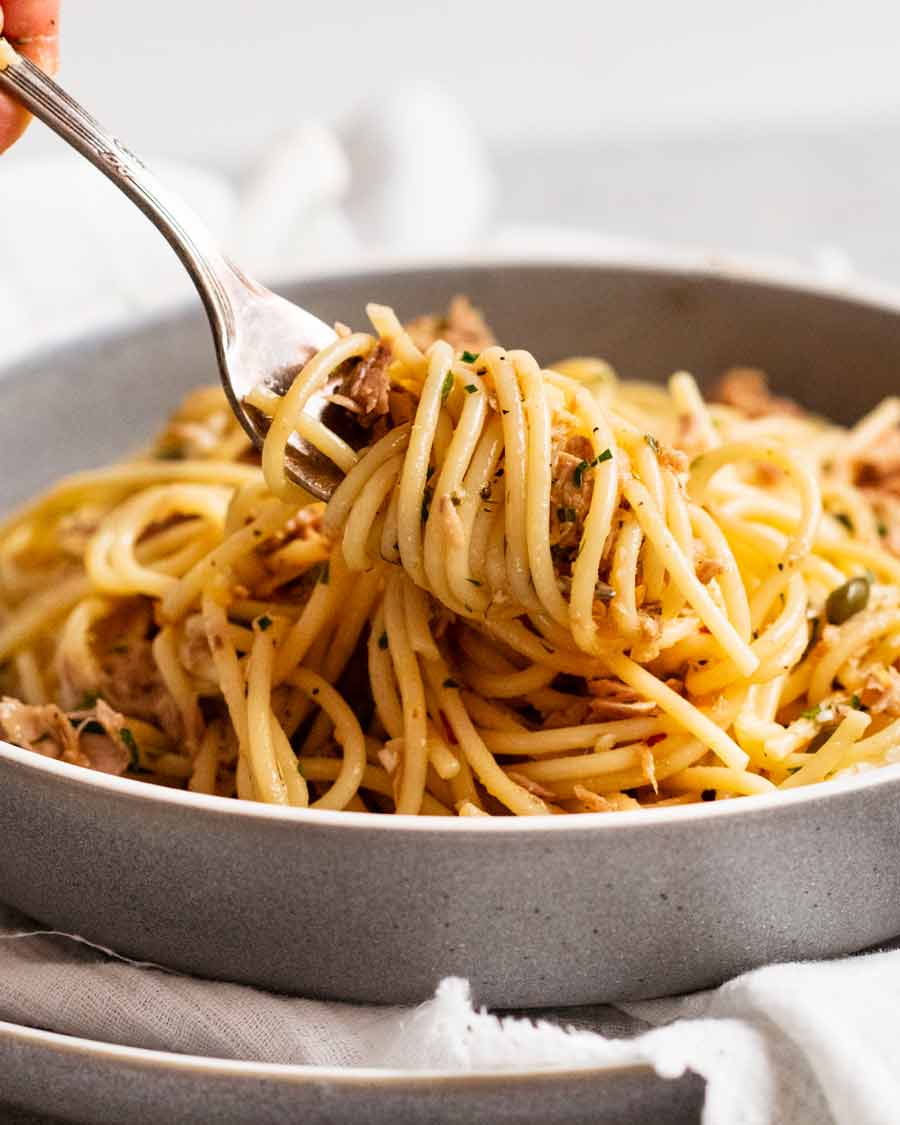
[844, 601]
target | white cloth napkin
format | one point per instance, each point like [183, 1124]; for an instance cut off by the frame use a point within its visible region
[787, 1045]
[806, 1044]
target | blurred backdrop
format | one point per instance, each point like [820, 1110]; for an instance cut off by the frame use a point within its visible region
[312, 135]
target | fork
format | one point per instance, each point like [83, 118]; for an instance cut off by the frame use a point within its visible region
[260, 338]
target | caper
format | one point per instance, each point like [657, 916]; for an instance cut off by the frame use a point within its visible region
[844, 601]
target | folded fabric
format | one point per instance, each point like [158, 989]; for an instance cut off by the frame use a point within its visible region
[785, 1045]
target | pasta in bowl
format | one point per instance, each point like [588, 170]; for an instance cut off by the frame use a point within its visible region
[537, 591]
[536, 909]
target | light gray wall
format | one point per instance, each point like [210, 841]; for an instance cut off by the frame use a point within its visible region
[212, 78]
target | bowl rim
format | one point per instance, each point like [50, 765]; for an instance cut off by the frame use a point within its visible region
[652, 259]
[301, 1073]
[132, 789]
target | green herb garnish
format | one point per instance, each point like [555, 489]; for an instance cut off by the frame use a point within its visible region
[128, 738]
[264, 622]
[580, 469]
[469, 357]
[652, 442]
[446, 386]
[170, 453]
[471, 388]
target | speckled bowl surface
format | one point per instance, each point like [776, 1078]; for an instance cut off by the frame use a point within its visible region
[82, 1080]
[562, 910]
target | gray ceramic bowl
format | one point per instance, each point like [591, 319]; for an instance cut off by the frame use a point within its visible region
[556, 911]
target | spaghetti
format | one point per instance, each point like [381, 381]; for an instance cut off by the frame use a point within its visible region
[536, 591]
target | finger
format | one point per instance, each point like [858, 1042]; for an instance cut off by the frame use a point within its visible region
[33, 27]
[30, 19]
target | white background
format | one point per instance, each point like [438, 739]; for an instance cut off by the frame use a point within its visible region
[213, 79]
[769, 129]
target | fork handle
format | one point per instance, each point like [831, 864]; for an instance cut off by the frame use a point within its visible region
[219, 283]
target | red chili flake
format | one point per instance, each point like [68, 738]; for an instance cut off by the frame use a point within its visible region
[655, 739]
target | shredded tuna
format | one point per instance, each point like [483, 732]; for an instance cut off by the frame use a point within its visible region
[369, 385]
[880, 694]
[531, 786]
[878, 465]
[615, 700]
[571, 488]
[43, 728]
[648, 765]
[708, 569]
[592, 801]
[463, 327]
[689, 435]
[130, 680]
[194, 651]
[572, 715]
[672, 459]
[747, 389]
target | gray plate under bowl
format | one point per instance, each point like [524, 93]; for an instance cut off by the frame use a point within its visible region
[555, 911]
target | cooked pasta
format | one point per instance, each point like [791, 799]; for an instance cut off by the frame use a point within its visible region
[536, 591]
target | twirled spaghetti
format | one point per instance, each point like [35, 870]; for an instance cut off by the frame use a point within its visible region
[535, 591]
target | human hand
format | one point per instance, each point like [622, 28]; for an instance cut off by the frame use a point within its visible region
[32, 27]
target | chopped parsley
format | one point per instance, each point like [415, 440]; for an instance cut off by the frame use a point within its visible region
[471, 388]
[132, 746]
[882, 529]
[652, 442]
[264, 622]
[447, 386]
[856, 703]
[469, 357]
[170, 453]
[583, 466]
[843, 518]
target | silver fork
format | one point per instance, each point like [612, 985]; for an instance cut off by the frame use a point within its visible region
[260, 338]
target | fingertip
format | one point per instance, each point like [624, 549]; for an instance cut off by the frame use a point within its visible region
[13, 122]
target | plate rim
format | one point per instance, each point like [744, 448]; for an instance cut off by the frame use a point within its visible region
[304, 1074]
